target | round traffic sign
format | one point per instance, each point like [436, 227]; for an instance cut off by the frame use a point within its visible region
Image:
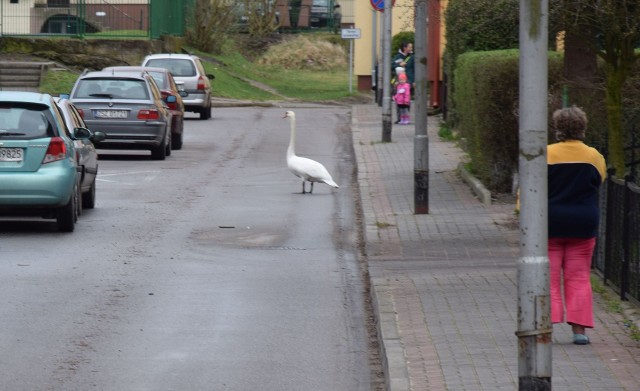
[378, 5]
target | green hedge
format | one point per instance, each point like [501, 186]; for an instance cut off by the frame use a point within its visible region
[486, 101]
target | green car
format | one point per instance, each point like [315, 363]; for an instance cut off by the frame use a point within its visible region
[39, 172]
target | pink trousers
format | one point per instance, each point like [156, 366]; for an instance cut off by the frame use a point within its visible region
[570, 268]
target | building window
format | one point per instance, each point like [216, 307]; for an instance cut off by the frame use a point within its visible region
[13, 2]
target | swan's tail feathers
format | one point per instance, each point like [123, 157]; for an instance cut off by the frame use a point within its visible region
[331, 183]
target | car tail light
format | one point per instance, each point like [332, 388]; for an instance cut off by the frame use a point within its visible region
[57, 150]
[201, 84]
[81, 112]
[148, 115]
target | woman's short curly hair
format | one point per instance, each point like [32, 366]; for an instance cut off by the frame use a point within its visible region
[570, 124]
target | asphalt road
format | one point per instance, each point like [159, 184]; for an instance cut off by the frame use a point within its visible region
[207, 271]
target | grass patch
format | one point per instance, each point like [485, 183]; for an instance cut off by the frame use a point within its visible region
[469, 167]
[445, 132]
[58, 82]
[260, 80]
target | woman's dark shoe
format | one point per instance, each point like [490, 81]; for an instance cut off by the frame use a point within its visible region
[581, 339]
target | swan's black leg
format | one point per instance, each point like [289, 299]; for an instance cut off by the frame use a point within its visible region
[303, 189]
[311, 191]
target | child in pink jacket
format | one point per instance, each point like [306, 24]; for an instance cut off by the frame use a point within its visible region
[402, 98]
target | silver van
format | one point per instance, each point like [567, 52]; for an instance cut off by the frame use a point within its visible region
[189, 74]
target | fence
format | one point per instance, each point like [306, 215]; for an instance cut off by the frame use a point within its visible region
[137, 18]
[618, 255]
[94, 18]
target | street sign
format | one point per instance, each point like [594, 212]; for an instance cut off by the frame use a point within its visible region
[350, 33]
[378, 5]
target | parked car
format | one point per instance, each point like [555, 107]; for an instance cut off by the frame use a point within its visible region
[320, 13]
[128, 107]
[188, 70]
[39, 173]
[87, 156]
[168, 87]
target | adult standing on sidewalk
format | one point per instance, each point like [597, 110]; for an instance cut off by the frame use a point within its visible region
[403, 62]
[575, 173]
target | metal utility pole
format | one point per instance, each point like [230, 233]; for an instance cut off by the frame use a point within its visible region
[374, 55]
[534, 323]
[421, 138]
[386, 73]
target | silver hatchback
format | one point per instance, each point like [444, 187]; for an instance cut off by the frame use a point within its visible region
[188, 72]
[128, 107]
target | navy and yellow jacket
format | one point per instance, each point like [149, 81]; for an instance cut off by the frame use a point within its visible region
[575, 173]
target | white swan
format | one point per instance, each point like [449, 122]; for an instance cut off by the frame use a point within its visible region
[307, 169]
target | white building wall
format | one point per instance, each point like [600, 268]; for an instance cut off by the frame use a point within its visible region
[402, 20]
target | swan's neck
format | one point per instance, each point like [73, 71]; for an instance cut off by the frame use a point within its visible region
[291, 151]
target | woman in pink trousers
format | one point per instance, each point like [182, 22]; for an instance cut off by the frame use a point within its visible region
[575, 173]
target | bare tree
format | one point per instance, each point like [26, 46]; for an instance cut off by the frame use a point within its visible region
[262, 18]
[211, 23]
[614, 26]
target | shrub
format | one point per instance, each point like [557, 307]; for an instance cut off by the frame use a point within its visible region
[486, 97]
[304, 53]
[404, 36]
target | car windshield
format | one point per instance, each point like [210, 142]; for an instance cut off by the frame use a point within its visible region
[111, 88]
[23, 121]
[177, 66]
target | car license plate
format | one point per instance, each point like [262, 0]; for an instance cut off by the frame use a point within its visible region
[11, 154]
[111, 113]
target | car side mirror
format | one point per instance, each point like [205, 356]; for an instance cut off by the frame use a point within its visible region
[98, 136]
[210, 76]
[81, 134]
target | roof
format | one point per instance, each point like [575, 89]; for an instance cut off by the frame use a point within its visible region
[170, 55]
[135, 68]
[109, 75]
[25, 96]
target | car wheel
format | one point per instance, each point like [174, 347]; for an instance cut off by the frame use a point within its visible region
[176, 138]
[79, 204]
[176, 141]
[89, 198]
[205, 113]
[159, 152]
[68, 214]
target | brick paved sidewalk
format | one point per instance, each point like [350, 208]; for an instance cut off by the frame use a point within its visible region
[444, 284]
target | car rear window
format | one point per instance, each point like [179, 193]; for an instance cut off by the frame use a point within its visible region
[159, 78]
[177, 66]
[20, 121]
[110, 88]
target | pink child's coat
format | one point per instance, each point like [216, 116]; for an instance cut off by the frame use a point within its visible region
[403, 94]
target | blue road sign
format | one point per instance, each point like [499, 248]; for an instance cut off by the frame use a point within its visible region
[378, 5]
